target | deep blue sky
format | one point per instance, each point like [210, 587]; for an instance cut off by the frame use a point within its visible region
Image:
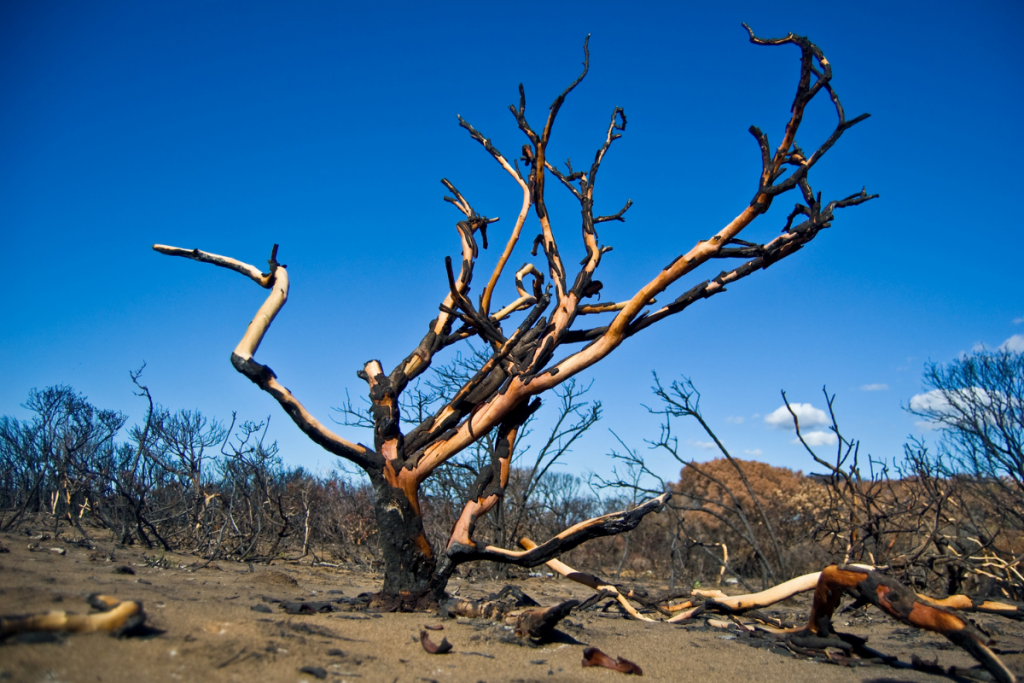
[326, 127]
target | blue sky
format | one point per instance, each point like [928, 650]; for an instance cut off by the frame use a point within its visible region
[326, 127]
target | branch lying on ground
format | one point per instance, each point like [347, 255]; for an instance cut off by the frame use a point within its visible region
[968, 604]
[587, 580]
[899, 602]
[116, 618]
[864, 584]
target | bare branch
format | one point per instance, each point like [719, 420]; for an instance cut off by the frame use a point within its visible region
[485, 298]
[437, 334]
[251, 272]
[607, 525]
[616, 216]
[263, 376]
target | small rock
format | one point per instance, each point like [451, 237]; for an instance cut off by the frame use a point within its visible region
[317, 671]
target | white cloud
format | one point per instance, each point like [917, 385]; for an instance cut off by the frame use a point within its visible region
[978, 347]
[967, 400]
[809, 416]
[704, 445]
[756, 452]
[819, 439]
[933, 400]
[1014, 344]
[927, 426]
[1018, 321]
[735, 419]
[874, 387]
[973, 404]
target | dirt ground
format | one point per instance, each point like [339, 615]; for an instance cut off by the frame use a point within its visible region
[217, 624]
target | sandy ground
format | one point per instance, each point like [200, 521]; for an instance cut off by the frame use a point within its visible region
[211, 631]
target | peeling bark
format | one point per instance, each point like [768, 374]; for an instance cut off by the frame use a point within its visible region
[902, 604]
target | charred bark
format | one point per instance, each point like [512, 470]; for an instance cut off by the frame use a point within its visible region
[409, 563]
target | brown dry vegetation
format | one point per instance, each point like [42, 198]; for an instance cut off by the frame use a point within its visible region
[792, 502]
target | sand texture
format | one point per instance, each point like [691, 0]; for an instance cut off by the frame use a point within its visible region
[220, 623]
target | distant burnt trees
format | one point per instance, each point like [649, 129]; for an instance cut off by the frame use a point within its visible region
[177, 481]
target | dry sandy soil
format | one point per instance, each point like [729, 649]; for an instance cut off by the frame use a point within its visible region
[211, 630]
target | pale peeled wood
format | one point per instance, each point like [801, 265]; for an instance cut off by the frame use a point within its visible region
[788, 589]
[278, 282]
[524, 211]
[73, 623]
[264, 316]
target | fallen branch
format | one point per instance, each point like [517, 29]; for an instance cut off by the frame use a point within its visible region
[116, 618]
[719, 601]
[901, 604]
[587, 580]
[508, 606]
[968, 604]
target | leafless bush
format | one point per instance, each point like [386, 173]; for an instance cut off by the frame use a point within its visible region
[977, 404]
[179, 482]
[184, 482]
[940, 525]
[716, 507]
[60, 459]
[948, 520]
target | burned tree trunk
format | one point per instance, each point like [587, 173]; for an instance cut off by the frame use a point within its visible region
[532, 349]
[409, 562]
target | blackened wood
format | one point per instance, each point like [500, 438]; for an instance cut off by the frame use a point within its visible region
[539, 624]
[260, 375]
[607, 525]
[902, 604]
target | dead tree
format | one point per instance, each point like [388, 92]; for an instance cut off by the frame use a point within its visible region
[538, 348]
